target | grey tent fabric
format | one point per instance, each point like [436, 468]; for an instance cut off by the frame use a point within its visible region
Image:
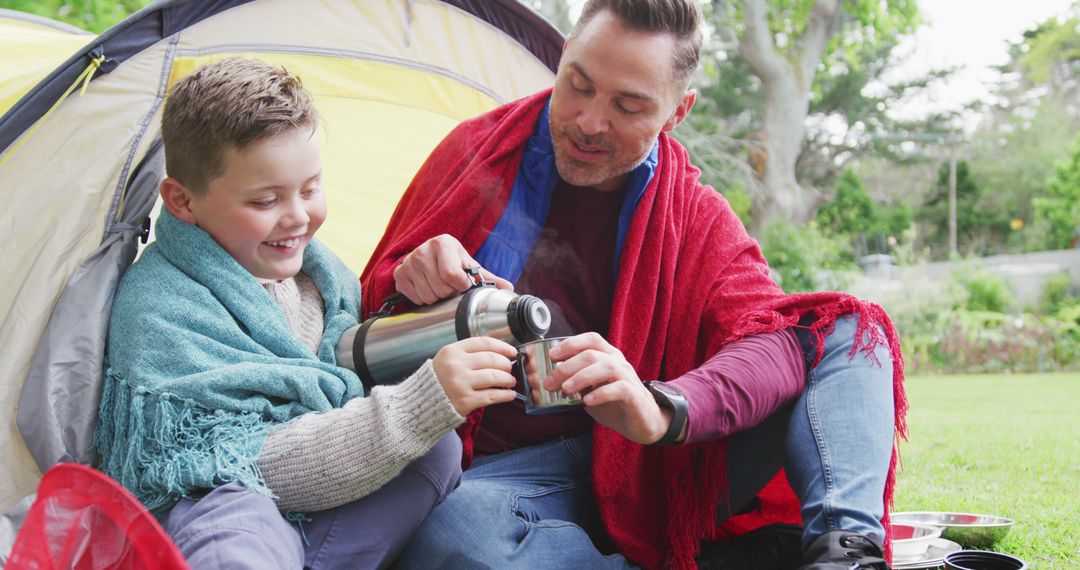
[10, 522]
[58, 405]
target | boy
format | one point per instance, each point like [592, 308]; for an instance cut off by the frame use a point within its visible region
[224, 406]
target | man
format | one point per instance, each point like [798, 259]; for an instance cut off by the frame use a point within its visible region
[579, 196]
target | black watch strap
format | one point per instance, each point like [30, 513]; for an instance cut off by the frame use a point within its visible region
[671, 398]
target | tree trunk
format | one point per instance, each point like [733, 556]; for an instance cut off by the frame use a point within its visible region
[787, 81]
[786, 107]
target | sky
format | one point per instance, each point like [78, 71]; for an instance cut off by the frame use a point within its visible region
[973, 34]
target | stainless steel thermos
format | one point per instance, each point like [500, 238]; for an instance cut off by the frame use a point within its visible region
[387, 348]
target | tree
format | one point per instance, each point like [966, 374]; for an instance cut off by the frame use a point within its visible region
[1059, 209]
[555, 11]
[1029, 129]
[1052, 56]
[978, 230]
[854, 215]
[785, 43]
[90, 15]
[852, 211]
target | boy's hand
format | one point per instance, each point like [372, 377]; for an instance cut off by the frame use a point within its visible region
[611, 390]
[436, 270]
[475, 372]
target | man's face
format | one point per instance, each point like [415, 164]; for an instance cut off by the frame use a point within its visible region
[613, 95]
[267, 205]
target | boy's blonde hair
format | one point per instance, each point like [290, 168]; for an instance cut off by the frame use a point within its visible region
[229, 103]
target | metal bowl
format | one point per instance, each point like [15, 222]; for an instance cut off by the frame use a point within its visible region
[972, 531]
[911, 540]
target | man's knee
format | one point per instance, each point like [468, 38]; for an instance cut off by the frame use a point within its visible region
[469, 527]
[861, 346]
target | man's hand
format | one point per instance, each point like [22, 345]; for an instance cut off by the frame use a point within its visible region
[475, 372]
[612, 392]
[436, 270]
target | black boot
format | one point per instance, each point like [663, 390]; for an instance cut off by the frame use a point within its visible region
[842, 550]
[773, 547]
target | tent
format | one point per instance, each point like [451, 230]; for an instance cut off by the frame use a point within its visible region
[38, 45]
[81, 159]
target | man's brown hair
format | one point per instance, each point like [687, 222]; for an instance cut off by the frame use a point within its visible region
[680, 18]
[228, 104]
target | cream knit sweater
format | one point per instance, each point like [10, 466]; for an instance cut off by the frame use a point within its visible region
[320, 461]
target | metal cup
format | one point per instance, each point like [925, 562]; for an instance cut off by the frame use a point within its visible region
[532, 367]
[982, 560]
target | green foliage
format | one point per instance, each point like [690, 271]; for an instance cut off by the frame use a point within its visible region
[853, 213]
[1030, 129]
[91, 15]
[978, 229]
[1058, 293]
[1013, 158]
[1052, 45]
[804, 259]
[960, 325]
[864, 23]
[739, 200]
[1059, 208]
[969, 341]
[987, 293]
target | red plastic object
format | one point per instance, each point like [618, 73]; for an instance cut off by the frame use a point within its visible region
[83, 520]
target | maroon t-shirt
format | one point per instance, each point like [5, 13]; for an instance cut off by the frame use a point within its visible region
[572, 268]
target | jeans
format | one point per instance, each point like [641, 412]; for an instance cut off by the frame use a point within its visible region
[840, 438]
[232, 528]
[534, 508]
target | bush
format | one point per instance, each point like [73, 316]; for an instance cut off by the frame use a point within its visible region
[803, 259]
[1058, 209]
[1057, 294]
[987, 293]
[941, 332]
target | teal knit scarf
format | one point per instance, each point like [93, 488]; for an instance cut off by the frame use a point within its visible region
[201, 364]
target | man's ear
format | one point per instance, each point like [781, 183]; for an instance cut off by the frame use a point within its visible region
[681, 110]
[177, 199]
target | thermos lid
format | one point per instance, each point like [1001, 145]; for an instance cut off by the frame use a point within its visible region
[529, 318]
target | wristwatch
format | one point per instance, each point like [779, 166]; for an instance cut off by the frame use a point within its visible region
[670, 398]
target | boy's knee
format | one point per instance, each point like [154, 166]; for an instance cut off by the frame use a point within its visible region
[441, 466]
[235, 524]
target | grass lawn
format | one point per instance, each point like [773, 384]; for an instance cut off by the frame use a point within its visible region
[1004, 444]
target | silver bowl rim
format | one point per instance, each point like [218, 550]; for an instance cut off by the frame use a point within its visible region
[999, 522]
[934, 534]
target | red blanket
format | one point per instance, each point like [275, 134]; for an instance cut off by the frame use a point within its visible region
[690, 281]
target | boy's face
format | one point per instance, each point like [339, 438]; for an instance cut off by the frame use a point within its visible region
[266, 206]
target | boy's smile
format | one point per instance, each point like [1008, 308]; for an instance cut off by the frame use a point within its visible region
[267, 205]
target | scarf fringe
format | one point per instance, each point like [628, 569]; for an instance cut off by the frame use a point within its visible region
[689, 524]
[162, 448]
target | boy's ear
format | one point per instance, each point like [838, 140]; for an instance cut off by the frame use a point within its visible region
[177, 199]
